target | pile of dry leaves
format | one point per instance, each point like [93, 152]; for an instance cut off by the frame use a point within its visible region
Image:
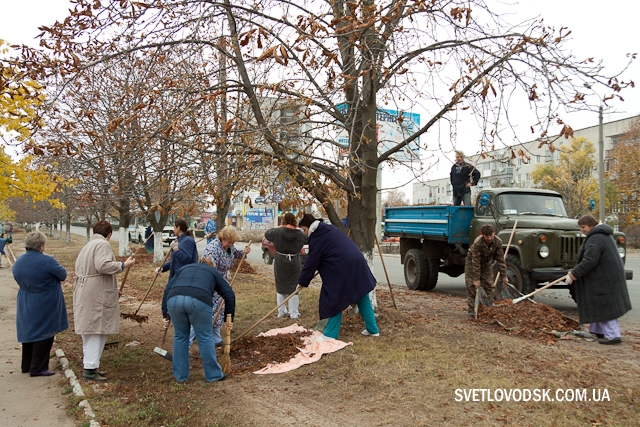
[526, 319]
[253, 353]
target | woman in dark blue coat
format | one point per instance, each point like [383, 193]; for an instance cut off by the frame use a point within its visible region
[346, 277]
[42, 312]
[184, 249]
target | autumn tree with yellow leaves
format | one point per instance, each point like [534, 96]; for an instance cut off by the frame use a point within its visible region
[572, 176]
[19, 100]
[625, 174]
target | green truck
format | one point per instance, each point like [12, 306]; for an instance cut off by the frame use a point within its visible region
[435, 239]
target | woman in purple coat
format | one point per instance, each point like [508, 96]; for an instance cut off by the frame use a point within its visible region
[346, 277]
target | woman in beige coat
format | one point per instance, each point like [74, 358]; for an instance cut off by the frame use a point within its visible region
[96, 312]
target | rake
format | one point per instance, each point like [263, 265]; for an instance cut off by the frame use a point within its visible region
[134, 316]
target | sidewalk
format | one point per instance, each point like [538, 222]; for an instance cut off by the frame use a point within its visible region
[25, 401]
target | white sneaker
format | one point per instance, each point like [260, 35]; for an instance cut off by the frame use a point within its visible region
[365, 332]
[295, 315]
[324, 338]
[283, 314]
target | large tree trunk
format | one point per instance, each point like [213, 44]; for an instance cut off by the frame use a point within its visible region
[124, 209]
[158, 226]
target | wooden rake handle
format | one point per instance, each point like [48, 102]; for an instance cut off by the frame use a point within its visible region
[152, 283]
[126, 270]
[385, 272]
[513, 231]
[268, 314]
[239, 265]
[548, 285]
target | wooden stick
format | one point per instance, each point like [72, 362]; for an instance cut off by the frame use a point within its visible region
[513, 231]
[213, 322]
[517, 300]
[385, 272]
[152, 283]
[268, 314]
[126, 270]
[239, 265]
[164, 336]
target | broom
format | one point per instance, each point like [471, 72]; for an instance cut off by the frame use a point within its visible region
[162, 352]
[225, 360]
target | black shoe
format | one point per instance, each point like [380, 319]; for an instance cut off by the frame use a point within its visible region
[599, 335]
[102, 374]
[612, 341]
[42, 374]
[93, 375]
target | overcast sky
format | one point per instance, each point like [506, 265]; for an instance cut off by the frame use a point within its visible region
[603, 30]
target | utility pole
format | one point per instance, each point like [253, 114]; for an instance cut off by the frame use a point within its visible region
[601, 168]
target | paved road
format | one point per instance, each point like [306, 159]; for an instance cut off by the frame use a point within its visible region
[558, 299]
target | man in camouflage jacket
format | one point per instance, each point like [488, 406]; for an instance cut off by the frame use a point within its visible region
[478, 266]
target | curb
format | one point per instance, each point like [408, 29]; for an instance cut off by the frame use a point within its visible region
[77, 388]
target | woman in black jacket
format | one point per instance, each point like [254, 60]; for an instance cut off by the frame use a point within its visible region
[600, 286]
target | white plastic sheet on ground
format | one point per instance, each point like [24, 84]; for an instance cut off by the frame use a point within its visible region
[311, 351]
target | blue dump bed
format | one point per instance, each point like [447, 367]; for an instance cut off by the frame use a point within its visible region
[450, 223]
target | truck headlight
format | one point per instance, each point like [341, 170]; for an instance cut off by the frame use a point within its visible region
[543, 251]
[622, 251]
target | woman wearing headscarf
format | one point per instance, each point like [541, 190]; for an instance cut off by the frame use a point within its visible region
[96, 312]
[600, 285]
[346, 277]
[41, 311]
[288, 241]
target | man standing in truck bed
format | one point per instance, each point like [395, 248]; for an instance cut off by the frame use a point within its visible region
[478, 266]
[463, 177]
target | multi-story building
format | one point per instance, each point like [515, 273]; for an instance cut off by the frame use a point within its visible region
[499, 169]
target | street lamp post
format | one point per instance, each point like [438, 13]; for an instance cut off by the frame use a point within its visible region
[600, 157]
[601, 167]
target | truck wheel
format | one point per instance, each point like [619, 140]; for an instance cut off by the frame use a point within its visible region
[266, 257]
[433, 265]
[415, 270]
[518, 277]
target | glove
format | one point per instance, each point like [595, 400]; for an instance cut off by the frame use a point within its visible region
[159, 270]
[568, 280]
[174, 245]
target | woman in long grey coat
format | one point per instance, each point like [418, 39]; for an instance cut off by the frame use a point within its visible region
[96, 312]
[600, 286]
[288, 241]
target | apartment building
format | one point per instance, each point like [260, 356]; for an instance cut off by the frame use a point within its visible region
[498, 169]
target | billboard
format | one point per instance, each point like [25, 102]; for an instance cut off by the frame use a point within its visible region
[392, 127]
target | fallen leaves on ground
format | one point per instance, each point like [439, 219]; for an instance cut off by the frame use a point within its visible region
[250, 354]
[527, 319]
